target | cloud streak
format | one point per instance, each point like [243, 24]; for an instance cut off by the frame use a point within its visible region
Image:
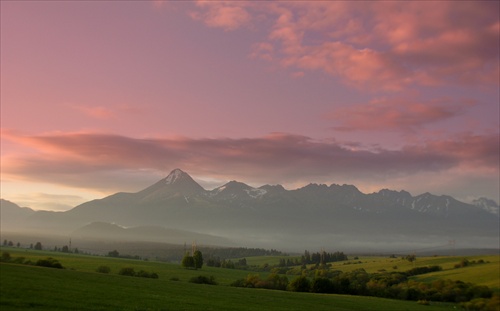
[400, 114]
[277, 158]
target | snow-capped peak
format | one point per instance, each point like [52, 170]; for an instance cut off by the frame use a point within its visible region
[488, 205]
[173, 176]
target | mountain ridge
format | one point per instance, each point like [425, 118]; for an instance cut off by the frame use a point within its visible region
[274, 215]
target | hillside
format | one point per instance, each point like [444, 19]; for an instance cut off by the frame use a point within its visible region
[80, 287]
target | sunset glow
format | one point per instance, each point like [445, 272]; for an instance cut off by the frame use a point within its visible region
[101, 97]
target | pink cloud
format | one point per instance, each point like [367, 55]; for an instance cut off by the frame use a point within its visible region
[375, 45]
[77, 158]
[226, 15]
[471, 151]
[396, 114]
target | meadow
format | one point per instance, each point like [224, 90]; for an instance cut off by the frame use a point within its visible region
[487, 273]
[80, 287]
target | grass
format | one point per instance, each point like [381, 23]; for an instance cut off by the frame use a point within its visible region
[487, 274]
[24, 287]
[79, 287]
[85, 263]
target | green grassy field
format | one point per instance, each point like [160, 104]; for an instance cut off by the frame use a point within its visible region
[487, 273]
[79, 287]
[483, 274]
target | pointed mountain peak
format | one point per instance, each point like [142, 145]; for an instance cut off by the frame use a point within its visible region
[175, 175]
[176, 183]
[179, 180]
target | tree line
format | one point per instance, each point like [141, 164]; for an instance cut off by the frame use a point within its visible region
[320, 258]
[217, 262]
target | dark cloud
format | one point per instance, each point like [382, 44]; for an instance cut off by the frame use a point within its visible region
[92, 160]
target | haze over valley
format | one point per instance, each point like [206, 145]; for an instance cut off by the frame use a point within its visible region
[176, 209]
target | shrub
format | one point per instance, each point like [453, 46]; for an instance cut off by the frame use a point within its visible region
[113, 253]
[201, 279]
[423, 270]
[49, 262]
[463, 263]
[478, 304]
[103, 269]
[322, 285]
[127, 271]
[239, 283]
[300, 284]
[5, 256]
[144, 274]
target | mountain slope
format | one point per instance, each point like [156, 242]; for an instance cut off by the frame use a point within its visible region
[276, 217]
[12, 214]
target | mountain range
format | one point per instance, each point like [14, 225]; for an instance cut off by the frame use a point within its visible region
[317, 215]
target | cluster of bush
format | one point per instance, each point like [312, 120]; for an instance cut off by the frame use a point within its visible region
[48, 262]
[394, 285]
[201, 279]
[273, 281]
[465, 262]
[217, 262]
[142, 274]
[479, 304]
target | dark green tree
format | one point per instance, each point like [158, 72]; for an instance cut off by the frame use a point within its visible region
[411, 258]
[188, 261]
[38, 246]
[103, 269]
[300, 284]
[198, 259]
[49, 262]
[5, 256]
[114, 253]
[127, 271]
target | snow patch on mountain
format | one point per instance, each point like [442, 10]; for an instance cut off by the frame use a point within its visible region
[173, 176]
[255, 193]
[488, 205]
[220, 189]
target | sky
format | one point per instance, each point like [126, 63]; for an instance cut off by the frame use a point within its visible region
[99, 97]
